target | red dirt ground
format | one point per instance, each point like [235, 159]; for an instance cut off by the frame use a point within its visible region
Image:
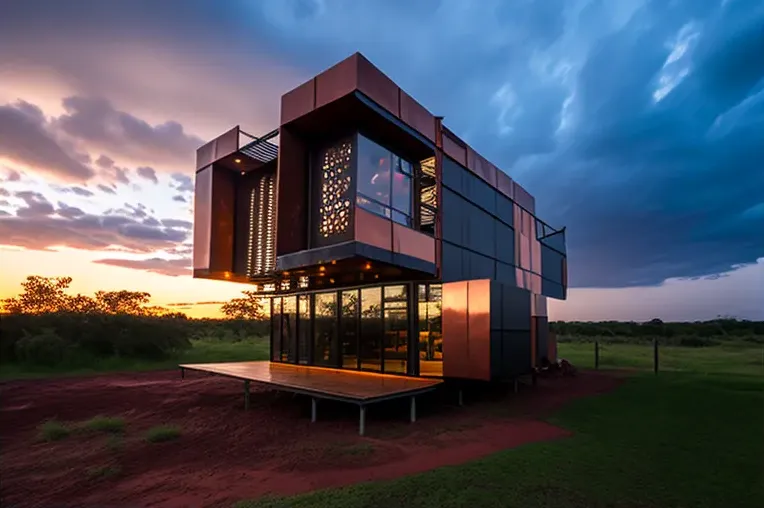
[226, 454]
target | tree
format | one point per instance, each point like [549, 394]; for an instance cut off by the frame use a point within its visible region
[250, 306]
[123, 302]
[46, 294]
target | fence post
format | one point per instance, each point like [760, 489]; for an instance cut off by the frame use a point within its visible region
[597, 354]
[655, 355]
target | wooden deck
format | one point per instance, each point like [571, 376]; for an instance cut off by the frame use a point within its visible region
[361, 388]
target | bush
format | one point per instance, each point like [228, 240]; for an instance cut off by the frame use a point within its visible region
[162, 433]
[43, 348]
[53, 430]
[107, 424]
[698, 342]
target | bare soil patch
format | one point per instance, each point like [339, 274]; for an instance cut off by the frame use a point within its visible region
[224, 454]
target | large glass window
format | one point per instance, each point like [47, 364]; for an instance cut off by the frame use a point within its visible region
[396, 329]
[371, 329]
[325, 330]
[276, 329]
[384, 182]
[289, 330]
[430, 330]
[428, 196]
[349, 329]
[303, 339]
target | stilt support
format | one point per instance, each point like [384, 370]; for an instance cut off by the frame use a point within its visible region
[246, 394]
[362, 420]
[313, 410]
[461, 398]
[182, 373]
[413, 409]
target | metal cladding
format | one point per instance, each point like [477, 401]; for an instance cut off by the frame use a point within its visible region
[366, 187]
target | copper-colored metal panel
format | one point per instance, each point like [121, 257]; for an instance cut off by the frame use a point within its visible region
[377, 86]
[520, 277]
[456, 352]
[413, 243]
[416, 116]
[202, 218]
[298, 102]
[479, 328]
[454, 148]
[552, 345]
[527, 228]
[524, 198]
[337, 81]
[205, 155]
[491, 173]
[504, 184]
[222, 220]
[439, 180]
[525, 252]
[535, 254]
[480, 166]
[227, 143]
[291, 194]
[373, 230]
[539, 305]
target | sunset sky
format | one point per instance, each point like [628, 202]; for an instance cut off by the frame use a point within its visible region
[639, 125]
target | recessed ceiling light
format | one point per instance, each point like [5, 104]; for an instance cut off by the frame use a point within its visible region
[237, 161]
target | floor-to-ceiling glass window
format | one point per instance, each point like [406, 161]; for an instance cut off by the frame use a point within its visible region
[396, 329]
[325, 330]
[370, 345]
[304, 330]
[276, 329]
[289, 330]
[430, 330]
[349, 329]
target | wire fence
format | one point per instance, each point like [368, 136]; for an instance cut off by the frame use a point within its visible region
[602, 353]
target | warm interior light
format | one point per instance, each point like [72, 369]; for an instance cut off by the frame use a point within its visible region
[321, 268]
[368, 266]
[376, 276]
[237, 161]
[227, 275]
[331, 281]
[334, 262]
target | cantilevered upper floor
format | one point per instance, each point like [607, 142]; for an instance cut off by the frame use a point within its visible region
[361, 184]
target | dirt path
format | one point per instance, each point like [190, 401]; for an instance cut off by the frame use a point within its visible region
[226, 454]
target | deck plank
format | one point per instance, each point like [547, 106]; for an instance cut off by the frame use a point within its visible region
[335, 383]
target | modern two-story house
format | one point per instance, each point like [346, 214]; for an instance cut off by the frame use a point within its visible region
[382, 241]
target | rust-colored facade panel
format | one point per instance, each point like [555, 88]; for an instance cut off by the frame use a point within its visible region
[524, 198]
[413, 243]
[479, 328]
[539, 305]
[525, 252]
[222, 220]
[202, 218]
[535, 254]
[454, 148]
[225, 144]
[416, 116]
[298, 102]
[454, 326]
[504, 184]
[552, 347]
[378, 87]
[373, 230]
[337, 81]
[480, 166]
[291, 194]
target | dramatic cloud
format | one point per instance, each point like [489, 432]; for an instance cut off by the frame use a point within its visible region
[80, 191]
[12, 176]
[106, 189]
[147, 173]
[38, 226]
[25, 139]
[183, 183]
[179, 198]
[171, 267]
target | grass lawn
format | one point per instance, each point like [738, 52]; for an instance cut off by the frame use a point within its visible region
[730, 358]
[670, 440]
[201, 351]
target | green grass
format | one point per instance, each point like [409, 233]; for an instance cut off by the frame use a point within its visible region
[53, 430]
[162, 433]
[96, 472]
[729, 358]
[673, 440]
[201, 351]
[107, 424]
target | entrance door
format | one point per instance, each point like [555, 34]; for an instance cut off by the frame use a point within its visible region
[372, 332]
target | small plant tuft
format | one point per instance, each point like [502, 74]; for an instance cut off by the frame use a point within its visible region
[103, 472]
[162, 433]
[53, 430]
[107, 424]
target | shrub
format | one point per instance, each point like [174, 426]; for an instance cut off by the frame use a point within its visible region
[42, 348]
[108, 424]
[53, 430]
[697, 342]
[162, 433]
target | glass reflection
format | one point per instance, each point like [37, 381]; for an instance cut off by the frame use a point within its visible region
[276, 329]
[289, 330]
[325, 330]
[349, 329]
[303, 339]
[396, 329]
[371, 329]
[430, 330]
[373, 171]
[384, 182]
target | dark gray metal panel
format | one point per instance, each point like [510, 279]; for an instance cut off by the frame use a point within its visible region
[516, 352]
[451, 263]
[506, 273]
[552, 289]
[480, 235]
[505, 243]
[551, 264]
[453, 210]
[481, 267]
[498, 369]
[452, 174]
[496, 308]
[516, 304]
[504, 209]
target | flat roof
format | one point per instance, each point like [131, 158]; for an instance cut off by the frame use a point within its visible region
[338, 384]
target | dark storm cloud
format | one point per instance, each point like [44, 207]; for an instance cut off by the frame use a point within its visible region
[183, 183]
[562, 96]
[171, 267]
[24, 138]
[36, 205]
[106, 189]
[179, 198]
